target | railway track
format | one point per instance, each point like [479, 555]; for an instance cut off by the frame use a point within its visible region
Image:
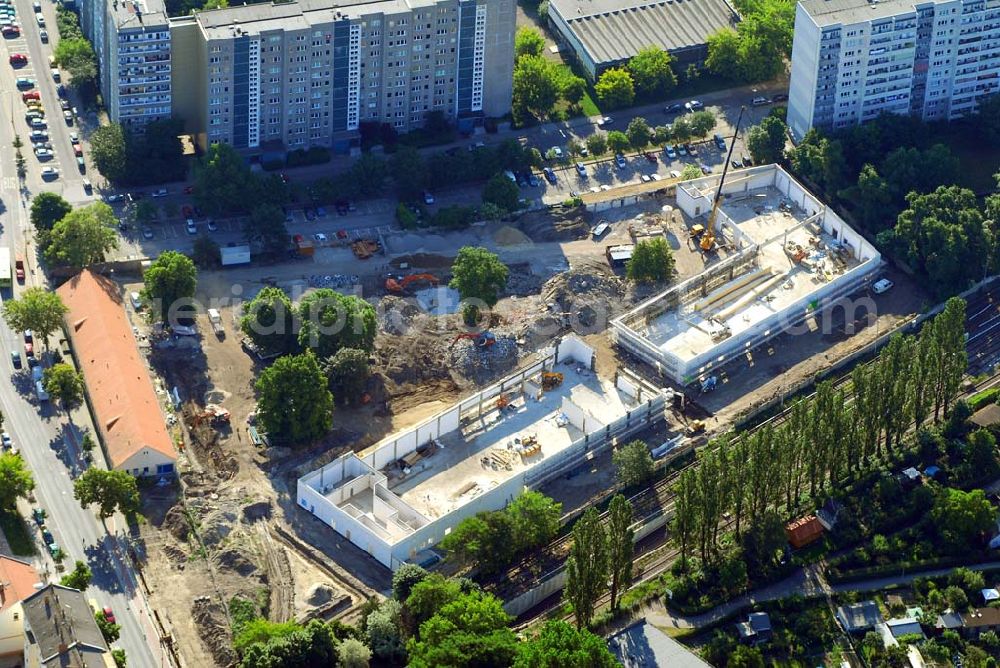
[983, 345]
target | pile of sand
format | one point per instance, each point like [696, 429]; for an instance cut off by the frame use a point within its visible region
[510, 236]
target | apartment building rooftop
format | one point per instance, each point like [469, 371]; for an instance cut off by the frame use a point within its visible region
[615, 30]
[138, 14]
[832, 12]
[262, 17]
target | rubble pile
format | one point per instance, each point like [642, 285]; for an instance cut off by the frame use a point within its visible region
[476, 362]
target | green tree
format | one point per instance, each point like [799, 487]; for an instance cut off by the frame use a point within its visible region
[315, 644]
[222, 181]
[16, 481]
[265, 226]
[79, 578]
[988, 118]
[534, 520]
[652, 72]
[348, 373]
[112, 491]
[745, 657]
[701, 123]
[615, 88]
[528, 42]
[76, 56]
[408, 173]
[961, 518]
[639, 133]
[269, 321]
[262, 631]
[724, 55]
[38, 309]
[205, 252]
[169, 282]
[662, 135]
[294, 403]
[618, 141]
[47, 209]
[572, 89]
[486, 539]
[680, 131]
[64, 383]
[109, 151]
[651, 261]
[118, 654]
[405, 579]
[942, 235]
[597, 144]
[82, 237]
[690, 172]
[470, 631]
[430, 595]
[110, 631]
[353, 654]
[367, 176]
[766, 141]
[384, 632]
[535, 88]
[478, 275]
[586, 567]
[559, 645]
[331, 321]
[621, 546]
[502, 192]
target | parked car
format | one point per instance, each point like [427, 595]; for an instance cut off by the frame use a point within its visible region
[691, 149]
[780, 97]
[24, 83]
[720, 142]
[17, 59]
[14, 31]
[674, 108]
[557, 152]
[694, 105]
[550, 175]
[620, 160]
[651, 157]
[74, 138]
[111, 199]
[212, 226]
[162, 192]
[605, 121]
[191, 227]
[68, 117]
[882, 285]
[39, 135]
[15, 359]
[56, 76]
[38, 123]
[581, 169]
[671, 152]
[109, 615]
[44, 35]
[81, 165]
[147, 233]
[532, 179]
[31, 95]
[681, 150]
[760, 101]
[50, 173]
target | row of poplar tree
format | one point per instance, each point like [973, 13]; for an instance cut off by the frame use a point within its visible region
[826, 440]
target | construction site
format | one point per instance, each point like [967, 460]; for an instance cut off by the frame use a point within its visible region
[399, 498]
[787, 256]
[456, 420]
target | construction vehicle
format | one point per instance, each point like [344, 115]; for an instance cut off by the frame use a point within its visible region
[696, 231]
[215, 318]
[696, 427]
[551, 380]
[392, 285]
[364, 248]
[481, 339]
[502, 402]
[708, 238]
[216, 415]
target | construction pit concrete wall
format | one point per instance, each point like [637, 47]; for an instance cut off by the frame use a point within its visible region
[790, 257]
[402, 496]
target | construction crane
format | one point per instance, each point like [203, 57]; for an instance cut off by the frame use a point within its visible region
[392, 285]
[708, 238]
[481, 339]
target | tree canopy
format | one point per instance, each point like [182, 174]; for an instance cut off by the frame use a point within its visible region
[470, 631]
[79, 578]
[64, 383]
[294, 404]
[76, 56]
[586, 567]
[559, 645]
[651, 261]
[82, 237]
[766, 141]
[40, 310]
[170, 278]
[330, 321]
[479, 275]
[502, 193]
[615, 88]
[652, 72]
[16, 480]
[528, 42]
[109, 151]
[112, 491]
[269, 321]
[47, 209]
[348, 372]
[961, 518]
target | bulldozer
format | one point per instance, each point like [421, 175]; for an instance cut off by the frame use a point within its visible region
[707, 242]
[695, 427]
[394, 286]
[551, 380]
[481, 339]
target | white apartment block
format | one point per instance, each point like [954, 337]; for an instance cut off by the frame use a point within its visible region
[853, 60]
[267, 78]
[132, 42]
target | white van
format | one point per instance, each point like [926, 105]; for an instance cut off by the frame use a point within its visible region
[136, 300]
[39, 19]
[600, 230]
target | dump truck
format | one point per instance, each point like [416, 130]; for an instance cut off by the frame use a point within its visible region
[215, 318]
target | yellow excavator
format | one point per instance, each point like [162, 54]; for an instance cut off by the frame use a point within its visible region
[707, 242]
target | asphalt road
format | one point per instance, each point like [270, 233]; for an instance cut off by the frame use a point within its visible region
[47, 440]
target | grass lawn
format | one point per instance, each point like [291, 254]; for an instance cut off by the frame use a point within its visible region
[588, 105]
[17, 533]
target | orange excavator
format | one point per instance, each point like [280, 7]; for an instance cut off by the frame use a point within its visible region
[481, 339]
[392, 285]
